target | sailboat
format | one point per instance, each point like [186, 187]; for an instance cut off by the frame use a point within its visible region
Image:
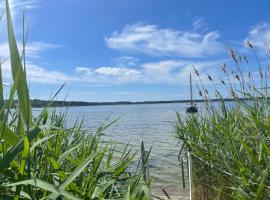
[191, 107]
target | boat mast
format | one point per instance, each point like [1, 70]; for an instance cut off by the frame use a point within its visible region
[190, 83]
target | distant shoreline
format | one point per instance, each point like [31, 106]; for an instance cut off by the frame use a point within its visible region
[37, 103]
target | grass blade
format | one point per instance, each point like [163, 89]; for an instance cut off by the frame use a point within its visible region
[16, 67]
[45, 186]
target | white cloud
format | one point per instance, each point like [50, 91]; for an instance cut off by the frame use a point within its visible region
[83, 71]
[117, 71]
[107, 75]
[177, 71]
[37, 74]
[259, 35]
[161, 72]
[174, 72]
[153, 40]
[126, 61]
[33, 49]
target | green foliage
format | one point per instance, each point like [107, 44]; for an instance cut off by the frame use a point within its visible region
[41, 158]
[230, 142]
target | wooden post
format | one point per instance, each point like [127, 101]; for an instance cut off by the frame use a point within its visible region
[145, 163]
[183, 173]
[190, 174]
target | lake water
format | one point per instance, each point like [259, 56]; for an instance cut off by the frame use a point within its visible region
[152, 123]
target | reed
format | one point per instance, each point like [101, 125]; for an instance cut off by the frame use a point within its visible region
[43, 158]
[230, 142]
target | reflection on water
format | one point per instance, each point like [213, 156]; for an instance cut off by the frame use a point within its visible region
[152, 123]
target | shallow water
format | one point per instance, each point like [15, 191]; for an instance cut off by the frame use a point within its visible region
[152, 123]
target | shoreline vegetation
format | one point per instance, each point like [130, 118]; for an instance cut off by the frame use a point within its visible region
[37, 103]
[230, 145]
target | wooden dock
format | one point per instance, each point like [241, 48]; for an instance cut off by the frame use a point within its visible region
[170, 193]
[163, 193]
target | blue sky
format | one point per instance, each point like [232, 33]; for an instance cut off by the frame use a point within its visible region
[131, 50]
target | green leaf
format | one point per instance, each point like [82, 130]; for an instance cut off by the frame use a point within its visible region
[11, 154]
[147, 192]
[101, 189]
[24, 154]
[76, 172]
[8, 135]
[66, 153]
[17, 68]
[261, 185]
[45, 116]
[72, 176]
[128, 193]
[2, 103]
[20, 125]
[38, 142]
[45, 186]
[22, 193]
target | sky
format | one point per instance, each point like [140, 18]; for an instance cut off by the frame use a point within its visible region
[130, 50]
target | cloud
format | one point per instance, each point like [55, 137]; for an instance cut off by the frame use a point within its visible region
[176, 72]
[117, 71]
[126, 61]
[84, 71]
[33, 49]
[198, 23]
[107, 75]
[35, 72]
[153, 40]
[38, 74]
[172, 72]
[161, 72]
[259, 35]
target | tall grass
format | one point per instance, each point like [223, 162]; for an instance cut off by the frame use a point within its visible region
[230, 141]
[43, 158]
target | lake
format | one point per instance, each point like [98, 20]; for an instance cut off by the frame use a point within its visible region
[152, 123]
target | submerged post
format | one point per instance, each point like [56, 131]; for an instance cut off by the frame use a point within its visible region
[145, 162]
[190, 174]
[183, 173]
